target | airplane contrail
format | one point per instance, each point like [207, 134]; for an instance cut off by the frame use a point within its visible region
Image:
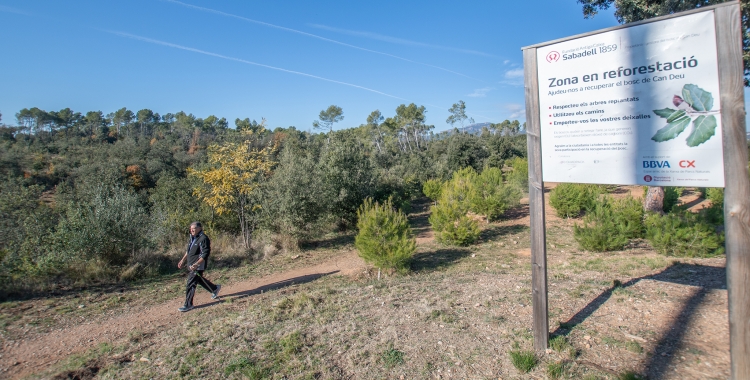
[396, 40]
[214, 11]
[194, 50]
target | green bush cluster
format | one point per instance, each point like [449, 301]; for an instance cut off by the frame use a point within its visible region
[671, 197]
[610, 225]
[571, 199]
[715, 195]
[685, 234]
[97, 196]
[451, 225]
[483, 194]
[432, 189]
[519, 176]
[384, 238]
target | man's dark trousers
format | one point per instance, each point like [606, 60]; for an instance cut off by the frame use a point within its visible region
[194, 279]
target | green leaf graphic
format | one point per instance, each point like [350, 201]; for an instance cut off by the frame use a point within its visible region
[665, 113]
[675, 116]
[697, 97]
[703, 128]
[672, 129]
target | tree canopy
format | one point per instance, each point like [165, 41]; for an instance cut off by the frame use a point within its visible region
[627, 11]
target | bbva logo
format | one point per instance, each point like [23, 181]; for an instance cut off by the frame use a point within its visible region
[656, 164]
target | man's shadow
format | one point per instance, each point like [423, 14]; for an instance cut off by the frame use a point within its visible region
[707, 278]
[273, 286]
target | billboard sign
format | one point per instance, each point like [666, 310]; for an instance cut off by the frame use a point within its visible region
[633, 106]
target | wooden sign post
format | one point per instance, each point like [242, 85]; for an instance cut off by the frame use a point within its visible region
[596, 109]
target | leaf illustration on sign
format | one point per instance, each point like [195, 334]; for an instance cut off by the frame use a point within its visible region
[703, 128]
[695, 104]
[672, 129]
[698, 98]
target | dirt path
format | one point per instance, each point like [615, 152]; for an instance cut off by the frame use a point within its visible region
[37, 352]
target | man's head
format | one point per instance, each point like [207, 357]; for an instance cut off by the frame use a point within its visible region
[196, 228]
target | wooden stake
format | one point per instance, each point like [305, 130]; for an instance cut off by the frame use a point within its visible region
[737, 186]
[536, 203]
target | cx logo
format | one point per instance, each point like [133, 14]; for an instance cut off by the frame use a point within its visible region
[687, 164]
[553, 56]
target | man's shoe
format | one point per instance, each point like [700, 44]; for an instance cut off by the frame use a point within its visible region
[186, 308]
[215, 294]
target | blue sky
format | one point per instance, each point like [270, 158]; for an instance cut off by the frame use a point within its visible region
[282, 60]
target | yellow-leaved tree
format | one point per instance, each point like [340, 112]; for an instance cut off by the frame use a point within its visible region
[233, 176]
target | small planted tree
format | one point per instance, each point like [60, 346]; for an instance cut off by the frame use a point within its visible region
[519, 176]
[452, 226]
[432, 189]
[490, 196]
[448, 217]
[571, 199]
[384, 239]
[610, 225]
[683, 234]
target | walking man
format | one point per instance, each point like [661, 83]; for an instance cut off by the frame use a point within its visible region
[196, 257]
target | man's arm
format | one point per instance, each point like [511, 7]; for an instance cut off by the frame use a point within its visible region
[182, 261]
[205, 249]
[196, 264]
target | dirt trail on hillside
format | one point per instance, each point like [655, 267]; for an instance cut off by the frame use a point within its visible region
[38, 352]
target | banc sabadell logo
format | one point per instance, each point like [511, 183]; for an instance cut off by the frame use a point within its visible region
[553, 56]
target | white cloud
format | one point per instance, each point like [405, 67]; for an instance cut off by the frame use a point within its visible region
[480, 92]
[515, 110]
[507, 61]
[514, 74]
[513, 77]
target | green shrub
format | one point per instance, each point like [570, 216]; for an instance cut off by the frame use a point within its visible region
[610, 225]
[671, 197]
[599, 231]
[519, 176]
[111, 226]
[459, 188]
[683, 234]
[448, 217]
[524, 361]
[296, 201]
[716, 195]
[432, 189]
[384, 239]
[348, 179]
[452, 226]
[628, 213]
[714, 214]
[571, 199]
[489, 196]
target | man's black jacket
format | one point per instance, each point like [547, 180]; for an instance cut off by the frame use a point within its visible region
[199, 246]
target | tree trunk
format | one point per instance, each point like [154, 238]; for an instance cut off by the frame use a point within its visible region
[654, 201]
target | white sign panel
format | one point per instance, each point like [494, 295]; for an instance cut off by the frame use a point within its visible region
[637, 105]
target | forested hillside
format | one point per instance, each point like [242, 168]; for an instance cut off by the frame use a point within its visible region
[100, 197]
